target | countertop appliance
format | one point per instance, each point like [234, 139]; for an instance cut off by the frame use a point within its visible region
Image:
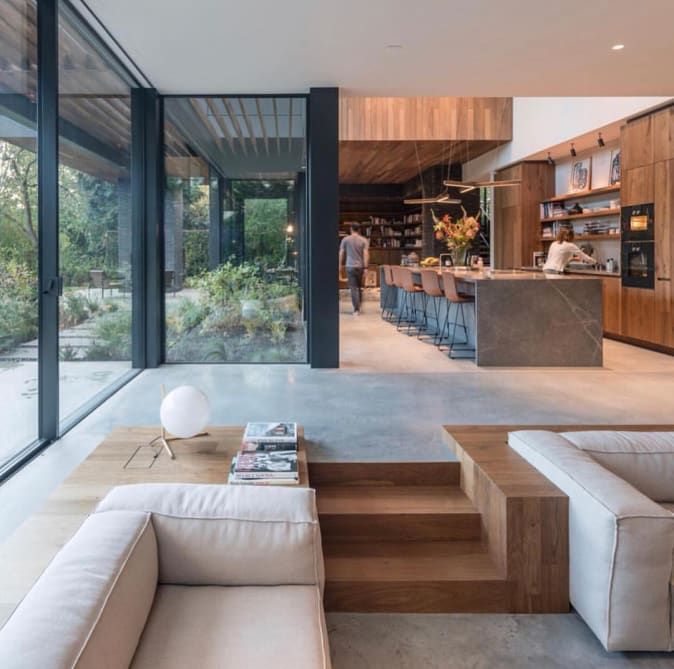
[637, 248]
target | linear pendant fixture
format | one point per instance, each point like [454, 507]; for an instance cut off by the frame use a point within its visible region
[443, 198]
[466, 186]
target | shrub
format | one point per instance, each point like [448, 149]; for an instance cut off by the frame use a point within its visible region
[18, 304]
[112, 337]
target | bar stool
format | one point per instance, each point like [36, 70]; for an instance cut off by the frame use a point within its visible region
[390, 298]
[453, 297]
[430, 284]
[407, 312]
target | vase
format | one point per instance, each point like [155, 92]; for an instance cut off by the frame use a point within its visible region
[459, 255]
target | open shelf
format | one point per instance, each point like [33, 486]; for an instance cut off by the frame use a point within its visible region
[583, 194]
[586, 238]
[604, 213]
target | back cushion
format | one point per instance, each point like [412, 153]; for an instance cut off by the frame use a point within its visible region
[644, 459]
[90, 605]
[229, 535]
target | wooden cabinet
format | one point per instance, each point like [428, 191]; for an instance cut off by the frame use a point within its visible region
[647, 146]
[517, 214]
[636, 143]
[612, 315]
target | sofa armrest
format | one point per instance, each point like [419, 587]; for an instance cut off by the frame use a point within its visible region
[620, 545]
[229, 535]
[89, 606]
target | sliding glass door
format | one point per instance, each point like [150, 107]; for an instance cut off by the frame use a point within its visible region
[18, 227]
[95, 233]
[233, 225]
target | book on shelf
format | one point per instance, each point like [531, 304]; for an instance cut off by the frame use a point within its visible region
[281, 432]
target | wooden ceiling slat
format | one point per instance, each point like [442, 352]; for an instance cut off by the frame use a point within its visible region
[264, 130]
[221, 124]
[278, 134]
[208, 126]
[249, 126]
[235, 125]
[384, 161]
[290, 124]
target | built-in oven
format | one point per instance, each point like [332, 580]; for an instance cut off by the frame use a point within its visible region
[638, 264]
[637, 223]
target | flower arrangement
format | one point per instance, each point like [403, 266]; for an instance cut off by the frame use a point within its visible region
[457, 234]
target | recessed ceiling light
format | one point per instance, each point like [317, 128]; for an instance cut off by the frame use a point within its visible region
[618, 47]
[394, 46]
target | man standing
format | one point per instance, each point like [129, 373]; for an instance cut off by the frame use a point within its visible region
[354, 249]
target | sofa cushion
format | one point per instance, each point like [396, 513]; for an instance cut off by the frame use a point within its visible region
[643, 459]
[229, 535]
[88, 608]
[214, 627]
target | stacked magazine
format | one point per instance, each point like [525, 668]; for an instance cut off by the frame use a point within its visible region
[268, 455]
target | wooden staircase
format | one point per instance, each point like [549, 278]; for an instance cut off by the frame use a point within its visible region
[403, 537]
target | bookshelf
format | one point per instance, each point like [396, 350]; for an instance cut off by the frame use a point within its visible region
[597, 223]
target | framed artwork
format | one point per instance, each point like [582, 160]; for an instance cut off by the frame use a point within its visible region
[614, 168]
[579, 178]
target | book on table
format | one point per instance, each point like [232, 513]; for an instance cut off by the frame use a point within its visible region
[260, 467]
[271, 433]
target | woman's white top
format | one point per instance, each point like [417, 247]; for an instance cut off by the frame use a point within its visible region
[560, 253]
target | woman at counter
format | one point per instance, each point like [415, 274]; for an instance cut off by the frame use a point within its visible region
[562, 251]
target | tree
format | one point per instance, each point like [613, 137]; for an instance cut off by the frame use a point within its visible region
[18, 203]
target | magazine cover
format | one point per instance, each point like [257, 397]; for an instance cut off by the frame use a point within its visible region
[282, 463]
[279, 432]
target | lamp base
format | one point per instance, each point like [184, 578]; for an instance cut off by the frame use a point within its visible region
[164, 441]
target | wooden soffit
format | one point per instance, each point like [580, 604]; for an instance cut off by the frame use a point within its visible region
[425, 118]
[392, 162]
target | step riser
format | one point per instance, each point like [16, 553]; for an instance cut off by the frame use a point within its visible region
[400, 527]
[418, 597]
[384, 473]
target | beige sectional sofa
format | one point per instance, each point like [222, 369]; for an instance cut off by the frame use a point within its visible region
[621, 528]
[177, 576]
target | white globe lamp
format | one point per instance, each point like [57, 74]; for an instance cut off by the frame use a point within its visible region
[184, 413]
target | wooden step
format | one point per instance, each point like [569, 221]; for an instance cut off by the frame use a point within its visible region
[384, 473]
[396, 513]
[413, 577]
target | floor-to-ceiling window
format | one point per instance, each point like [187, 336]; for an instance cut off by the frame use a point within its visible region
[18, 227]
[95, 235]
[233, 225]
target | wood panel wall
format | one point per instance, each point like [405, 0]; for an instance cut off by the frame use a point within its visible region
[647, 146]
[517, 219]
[424, 118]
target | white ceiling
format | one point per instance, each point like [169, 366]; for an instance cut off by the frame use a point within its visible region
[450, 47]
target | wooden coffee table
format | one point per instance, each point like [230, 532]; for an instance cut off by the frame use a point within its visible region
[122, 458]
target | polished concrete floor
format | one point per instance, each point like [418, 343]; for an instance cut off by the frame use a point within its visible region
[388, 401]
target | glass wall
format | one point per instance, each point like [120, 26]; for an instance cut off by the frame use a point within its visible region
[94, 215]
[18, 227]
[233, 220]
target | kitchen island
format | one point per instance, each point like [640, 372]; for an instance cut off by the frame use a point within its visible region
[527, 319]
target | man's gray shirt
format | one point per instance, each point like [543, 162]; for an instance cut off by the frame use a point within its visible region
[354, 247]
